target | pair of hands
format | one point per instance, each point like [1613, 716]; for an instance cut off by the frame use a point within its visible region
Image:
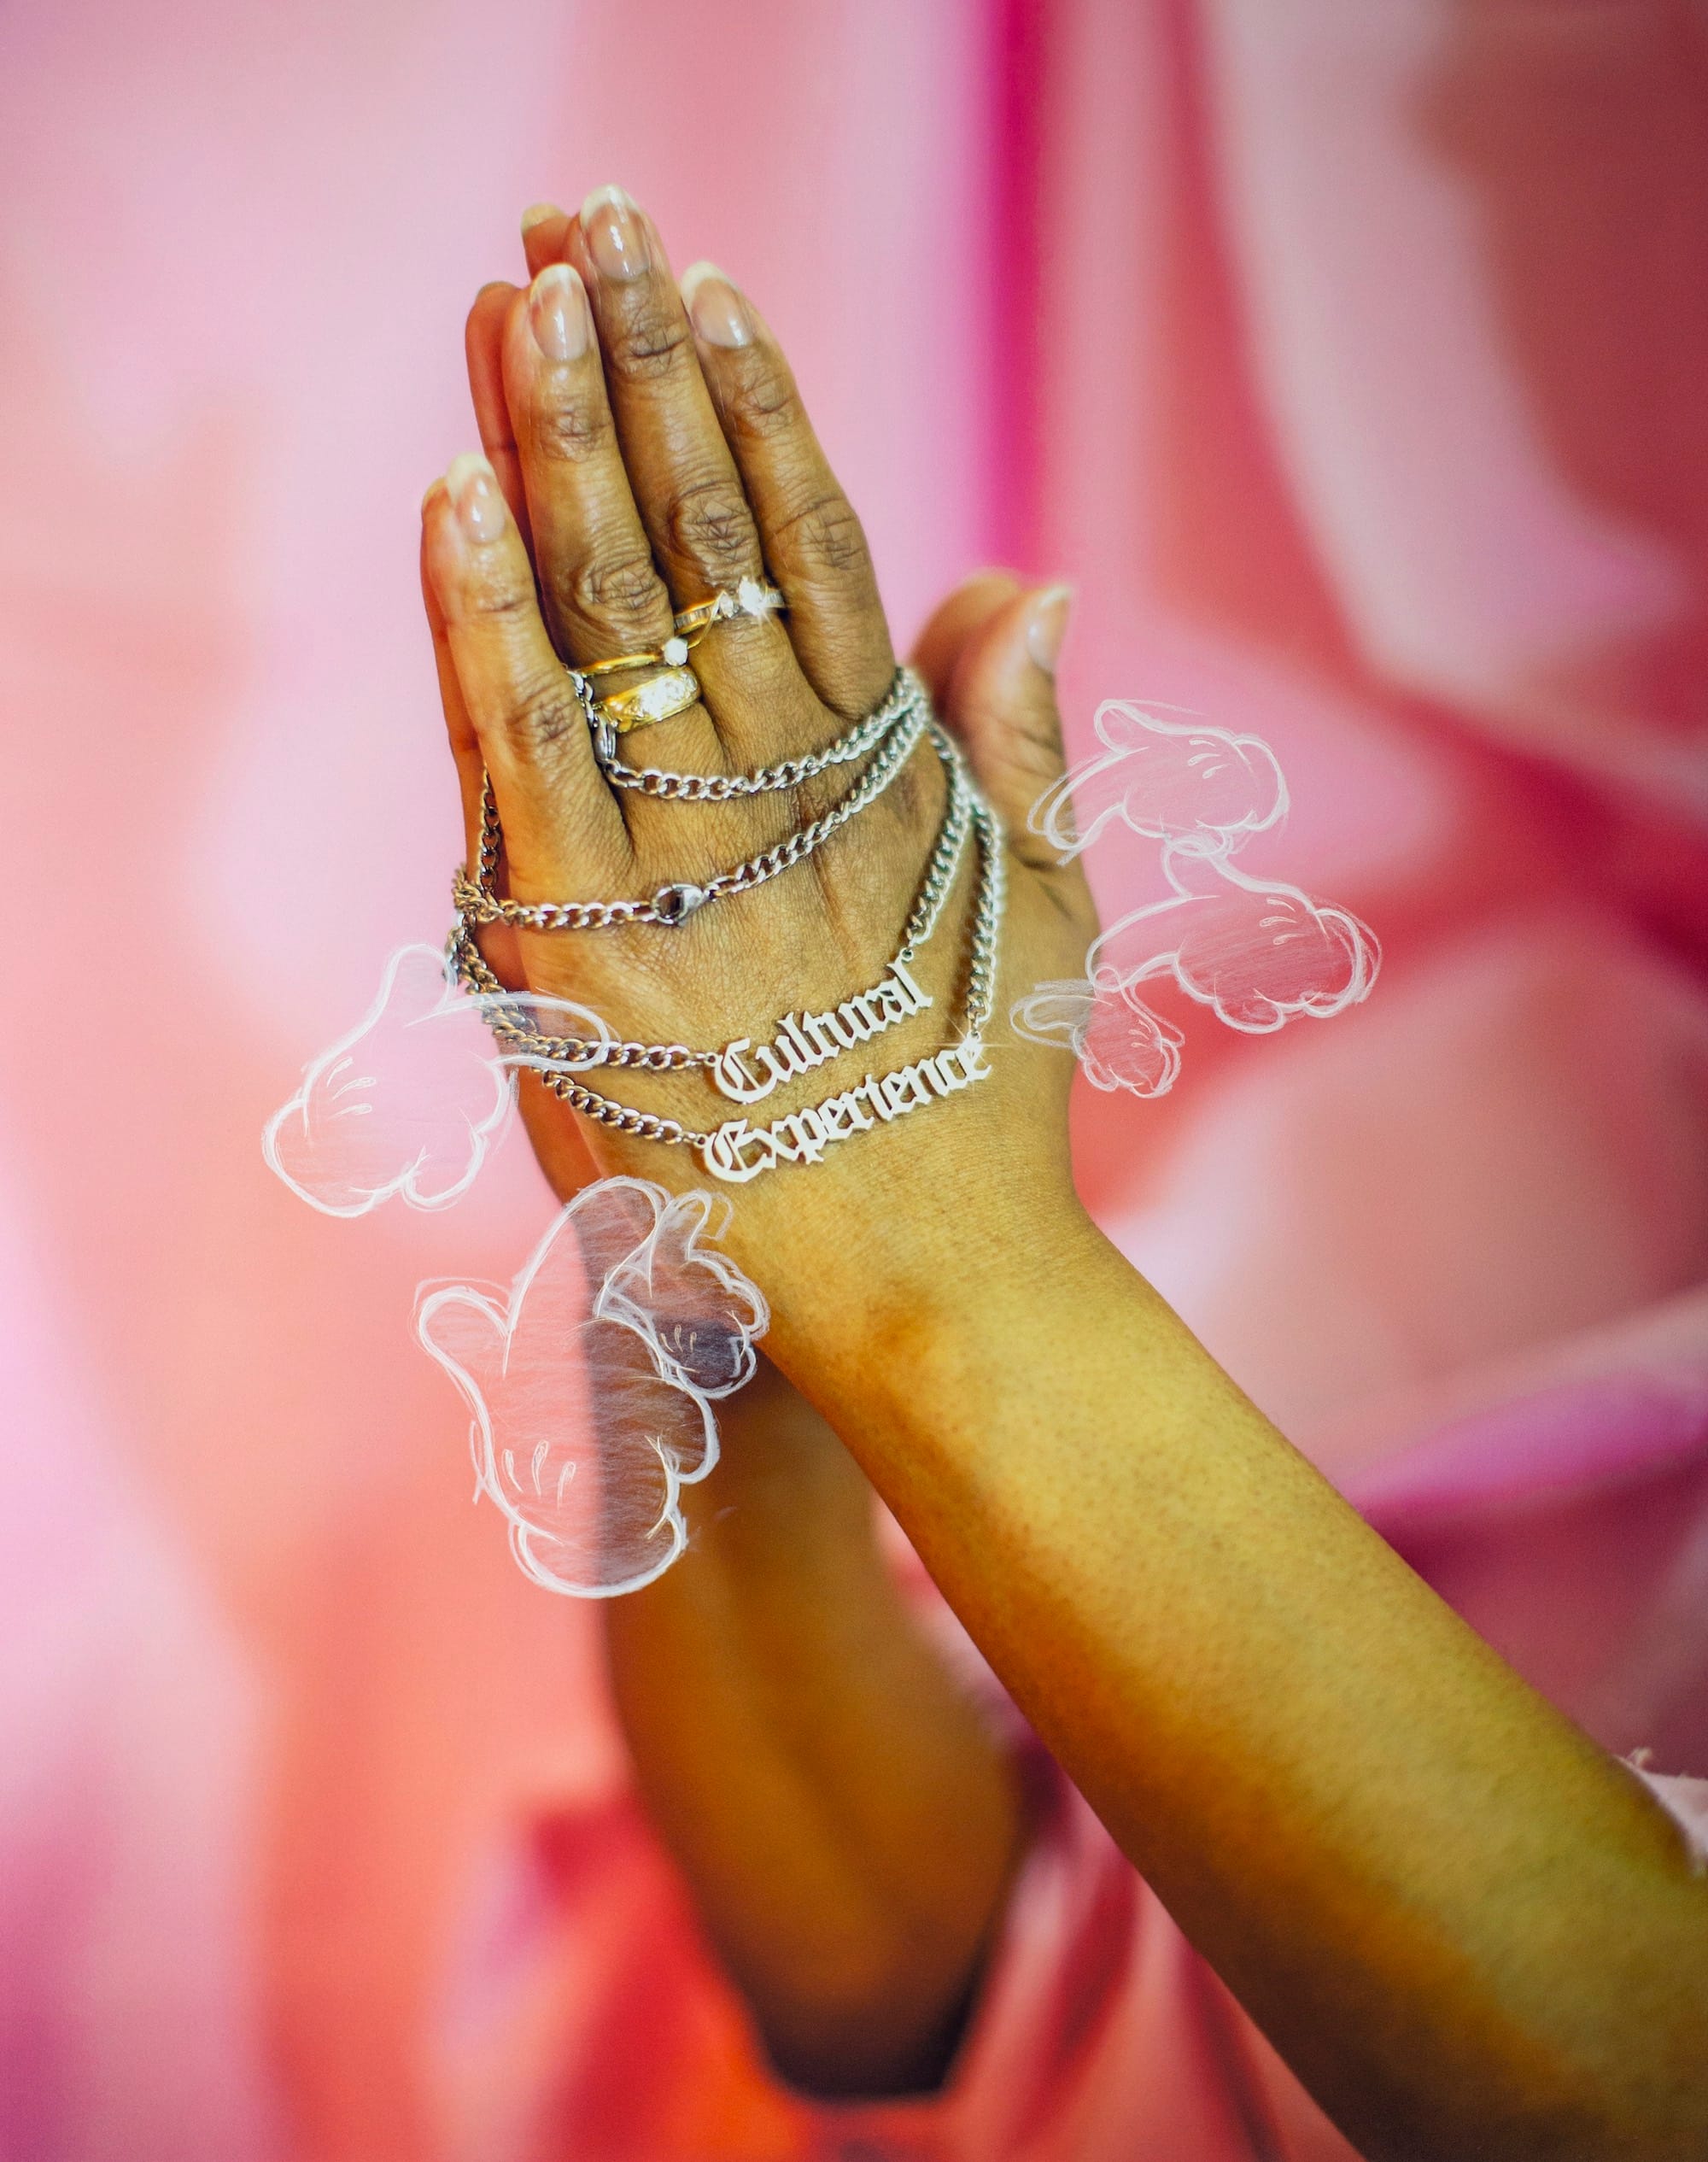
[1454, 1918]
[646, 447]
[797, 1743]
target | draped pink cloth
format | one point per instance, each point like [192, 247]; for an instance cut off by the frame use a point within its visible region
[1348, 361]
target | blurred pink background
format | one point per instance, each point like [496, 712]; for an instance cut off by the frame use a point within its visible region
[1347, 357]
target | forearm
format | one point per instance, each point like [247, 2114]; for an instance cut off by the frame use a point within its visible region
[1450, 1911]
[846, 1822]
[1446, 1907]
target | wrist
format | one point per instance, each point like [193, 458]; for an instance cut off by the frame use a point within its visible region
[921, 1287]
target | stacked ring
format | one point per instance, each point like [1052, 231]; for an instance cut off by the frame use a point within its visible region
[660, 699]
[676, 688]
[750, 598]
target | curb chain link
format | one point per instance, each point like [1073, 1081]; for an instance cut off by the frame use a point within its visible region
[537, 1049]
[965, 809]
[905, 692]
[671, 904]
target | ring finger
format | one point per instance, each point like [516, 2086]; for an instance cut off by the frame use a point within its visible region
[602, 595]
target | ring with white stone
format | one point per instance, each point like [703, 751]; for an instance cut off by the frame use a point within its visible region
[658, 699]
[671, 654]
[750, 598]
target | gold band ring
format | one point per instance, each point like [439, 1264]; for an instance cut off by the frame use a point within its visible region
[750, 598]
[661, 699]
[672, 654]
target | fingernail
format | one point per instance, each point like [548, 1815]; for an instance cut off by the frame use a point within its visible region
[1047, 626]
[476, 497]
[557, 313]
[714, 307]
[536, 215]
[615, 238]
[433, 488]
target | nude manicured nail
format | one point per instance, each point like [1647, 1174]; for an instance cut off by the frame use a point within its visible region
[615, 238]
[716, 308]
[1047, 626]
[536, 215]
[476, 497]
[557, 313]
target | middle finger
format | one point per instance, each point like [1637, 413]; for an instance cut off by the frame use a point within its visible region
[601, 593]
[685, 480]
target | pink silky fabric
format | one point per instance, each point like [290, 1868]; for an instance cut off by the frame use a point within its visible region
[1098, 2035]
[1348, 359]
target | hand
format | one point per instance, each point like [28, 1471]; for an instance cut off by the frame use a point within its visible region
[1446, 1908]
[797, 1741]
[650, 460]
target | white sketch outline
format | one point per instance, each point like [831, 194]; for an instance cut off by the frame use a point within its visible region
[321, 1077]
[1194, 850]
[1356, 939]
[1053, 817]
[688, 1218]
[1054, 1014]
[696, 1217]
[319, 1071]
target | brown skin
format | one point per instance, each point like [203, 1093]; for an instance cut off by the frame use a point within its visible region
[776, 1680]
[1468, 1930]
[801, 1750]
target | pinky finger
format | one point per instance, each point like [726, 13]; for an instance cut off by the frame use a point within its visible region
[498, 940]
[482, 348]
[464, 744]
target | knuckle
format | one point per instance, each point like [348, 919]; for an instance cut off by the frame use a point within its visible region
[544, 711]
[1035, 746]
[568, 430]
[623, 590]
[1027, 737]
[499, 598]
[764, 402]
[861, 673]
[653, 343]
[710, 525]
[825, 536]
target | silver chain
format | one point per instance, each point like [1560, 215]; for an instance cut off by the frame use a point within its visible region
[987, 922]
[536, 1048]
[906, 692]
[623, 1116]
[981, 999]
[671, 904]
[499, 1006]
[945, 860]
[981, 975]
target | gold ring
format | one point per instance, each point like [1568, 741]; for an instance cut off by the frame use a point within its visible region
[659, 699]
[673, 653]
[750, 598]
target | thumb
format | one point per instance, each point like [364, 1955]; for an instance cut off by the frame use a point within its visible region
[997, 695]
